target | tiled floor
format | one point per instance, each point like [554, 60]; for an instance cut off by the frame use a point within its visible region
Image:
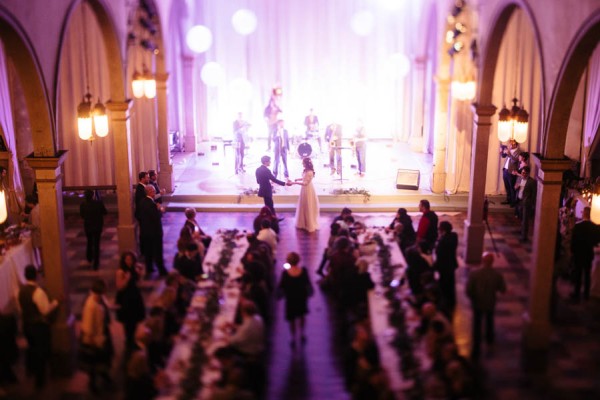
[314, 372]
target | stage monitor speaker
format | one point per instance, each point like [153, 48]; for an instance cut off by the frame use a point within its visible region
[408, 179]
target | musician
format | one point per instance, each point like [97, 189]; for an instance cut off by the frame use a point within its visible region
[281, 145]
[271, 113]
[240, 129]
[360, 146]
[311, 121]
[333, 136]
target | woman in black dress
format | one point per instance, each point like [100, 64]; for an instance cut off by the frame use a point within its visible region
[131, 309]
[296, 288]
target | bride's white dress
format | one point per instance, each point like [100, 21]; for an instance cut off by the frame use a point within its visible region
[307, 212]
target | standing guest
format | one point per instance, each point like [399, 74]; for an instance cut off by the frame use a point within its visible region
[151, 232]
[307, 211]
[139, 382]
[482, 286]
[153, 180]
[34, 224]
[264, 177]
[131, 309]
[194, 228]
[295, 287]
[360, 146]
[281, 142]
[566, 223]
[333, 136]
[95, 335]
[265, 213]
[408, 234]
[585, 237]
[140, 188]
[92, 211]
[526, 197]
[35, 310]
[240, 128]
[445, 264]
[511, 154]
[427, 231]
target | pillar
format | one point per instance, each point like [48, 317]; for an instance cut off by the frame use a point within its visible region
[438, 183]
[189, 103]
[474, 225]
[536, 330]
[165, 166]
[48, 177]
[119, 116]
[418, 93]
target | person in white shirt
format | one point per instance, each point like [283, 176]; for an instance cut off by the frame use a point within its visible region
[268, 235]
[249, 337]
[35, 310]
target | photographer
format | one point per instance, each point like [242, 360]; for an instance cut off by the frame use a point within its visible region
[511, 154]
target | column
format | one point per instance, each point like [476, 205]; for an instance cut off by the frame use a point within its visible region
[537, 329]
[49, 184]
[438, 183]
[119, 116]
[418, 93]
[474, 225]
[165, 166]
[189, 103]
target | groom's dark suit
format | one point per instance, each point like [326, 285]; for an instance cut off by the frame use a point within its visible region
[264, 177]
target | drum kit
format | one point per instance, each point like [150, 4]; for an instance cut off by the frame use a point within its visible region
[305, 149]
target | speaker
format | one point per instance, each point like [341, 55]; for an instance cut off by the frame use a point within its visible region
[408, 179]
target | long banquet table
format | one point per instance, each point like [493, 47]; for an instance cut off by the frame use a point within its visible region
[182, 353]
[12, 268]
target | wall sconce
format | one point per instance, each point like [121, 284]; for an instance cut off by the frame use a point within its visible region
[513, 124]
[463, 90]
[142, 30]
[3, 207]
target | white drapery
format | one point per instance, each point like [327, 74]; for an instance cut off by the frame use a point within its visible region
[310, 48]
[15, 195]
[591, 121]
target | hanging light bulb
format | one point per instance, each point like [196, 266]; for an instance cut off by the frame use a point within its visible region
[137, 85]
[504, 125]
[100, 119]
[3, 207]
[84, 118]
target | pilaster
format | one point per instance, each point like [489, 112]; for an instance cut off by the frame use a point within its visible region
[438, 184]
[165, 166]
[189, 103]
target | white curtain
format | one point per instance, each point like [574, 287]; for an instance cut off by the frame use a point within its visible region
[311, 49]
[15, 195]
[82, 63]
[592, 109]
[518, 74]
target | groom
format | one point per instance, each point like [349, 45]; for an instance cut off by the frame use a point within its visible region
[264, 177]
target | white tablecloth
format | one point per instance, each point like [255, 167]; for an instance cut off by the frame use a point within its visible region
[12, 267]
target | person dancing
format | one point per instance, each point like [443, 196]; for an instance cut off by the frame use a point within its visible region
[264, 177]
[307, 211]
[333, 136]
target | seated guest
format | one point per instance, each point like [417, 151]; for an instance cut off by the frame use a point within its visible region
[435, 328]
[360, 286]
[265, 213]
[416, 266]
[333, 234]
[157, 347]
[234, 382]
[407, 234]
[343, 214]
[197, 233]
[268, 235]
[190, 265]
[249, 337]
[139, 382]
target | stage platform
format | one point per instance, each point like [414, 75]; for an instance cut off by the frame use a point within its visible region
[206, 180]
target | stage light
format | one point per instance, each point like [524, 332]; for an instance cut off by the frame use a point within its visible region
[244, 22]
[362, 23]
[199, 39]
[212, 74]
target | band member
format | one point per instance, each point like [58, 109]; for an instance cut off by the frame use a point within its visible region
[333, 136]
[272, 110]
[282, 146]
[360, 147]
[240, 128]
[311, 121]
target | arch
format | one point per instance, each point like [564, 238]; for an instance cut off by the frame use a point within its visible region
[19, 48]
[576, 61]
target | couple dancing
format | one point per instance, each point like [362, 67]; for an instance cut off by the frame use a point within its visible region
[307, 212]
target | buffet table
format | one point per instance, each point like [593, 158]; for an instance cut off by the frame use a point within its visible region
[213, 307]
[12, 268]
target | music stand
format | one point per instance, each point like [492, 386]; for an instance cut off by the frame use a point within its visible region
[340, 148]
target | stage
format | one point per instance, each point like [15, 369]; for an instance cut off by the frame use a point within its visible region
[206, 179]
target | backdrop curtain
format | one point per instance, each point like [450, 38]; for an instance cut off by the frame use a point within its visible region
[591, 122]
[15, 195]
[311, 49]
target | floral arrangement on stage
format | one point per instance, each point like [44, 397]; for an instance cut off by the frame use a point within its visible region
[249, 192]
[403, 341]
[353, 191]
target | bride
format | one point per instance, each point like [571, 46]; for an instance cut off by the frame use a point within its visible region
[307, 212]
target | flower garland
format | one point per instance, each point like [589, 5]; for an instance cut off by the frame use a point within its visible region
[353, 191]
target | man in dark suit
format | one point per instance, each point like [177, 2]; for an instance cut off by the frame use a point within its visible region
[151, 232]
[585, 237]
[282, 146]
[92, 211]
[140, 189]
[445, 264]
[526, 196]
[264, 177]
